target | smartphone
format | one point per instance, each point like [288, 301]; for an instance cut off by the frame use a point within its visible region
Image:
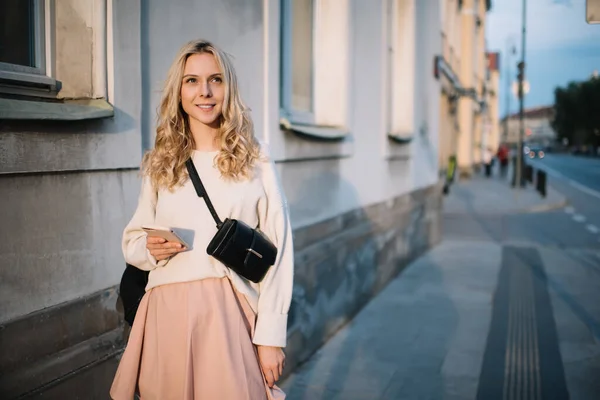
[165, 233]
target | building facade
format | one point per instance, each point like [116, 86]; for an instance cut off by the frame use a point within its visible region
[341, 91]
[491, 138]
[448, 66]
[537, 122]
[462, 68]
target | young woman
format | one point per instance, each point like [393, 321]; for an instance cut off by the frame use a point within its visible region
[201, 330]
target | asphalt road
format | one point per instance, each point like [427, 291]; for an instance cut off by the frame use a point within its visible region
[584, 171]
[578, 178]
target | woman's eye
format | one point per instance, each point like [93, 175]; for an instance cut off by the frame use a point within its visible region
[190, 80]
[217, 79]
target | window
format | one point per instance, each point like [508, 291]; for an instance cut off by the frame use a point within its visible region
[302, 55]
[54, 50]
[18, 44]
[314, 73]
[297, 59]
[22, 49]
[401, 38]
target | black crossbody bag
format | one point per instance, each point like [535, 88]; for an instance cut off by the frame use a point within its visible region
[245, 250]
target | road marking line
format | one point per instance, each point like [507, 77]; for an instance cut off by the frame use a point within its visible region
[578, 218]
[585, 189]
[592, 228]
[552, 172]
[571, 182]
[569, 210]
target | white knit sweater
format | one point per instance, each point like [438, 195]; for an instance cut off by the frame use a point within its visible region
[258, 202]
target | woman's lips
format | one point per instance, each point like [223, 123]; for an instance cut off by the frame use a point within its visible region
[206, 107]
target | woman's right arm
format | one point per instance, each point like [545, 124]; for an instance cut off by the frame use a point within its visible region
[134, 238]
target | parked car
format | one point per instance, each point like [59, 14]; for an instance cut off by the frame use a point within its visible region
[536, 152]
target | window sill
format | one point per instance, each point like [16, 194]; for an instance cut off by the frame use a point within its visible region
[399, 139]
[69, 110]
[315, 132]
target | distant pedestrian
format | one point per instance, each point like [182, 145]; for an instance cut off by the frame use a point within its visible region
[488, 159]
[503, 156]
[203, 331]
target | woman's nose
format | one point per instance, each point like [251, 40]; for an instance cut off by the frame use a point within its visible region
[204, 89]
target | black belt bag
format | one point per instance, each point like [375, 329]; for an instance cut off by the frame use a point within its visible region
[245, 250]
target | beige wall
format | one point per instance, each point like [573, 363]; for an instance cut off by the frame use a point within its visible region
[448, 131]
[494, 109]
[472, 75]
[451, 33]
[466, 74]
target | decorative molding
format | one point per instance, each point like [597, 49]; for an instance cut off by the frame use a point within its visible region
[69, 110]
[315, 132]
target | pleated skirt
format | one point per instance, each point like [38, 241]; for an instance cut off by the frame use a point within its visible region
[192, 341]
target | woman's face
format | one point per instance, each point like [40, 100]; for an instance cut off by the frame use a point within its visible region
[202, 90]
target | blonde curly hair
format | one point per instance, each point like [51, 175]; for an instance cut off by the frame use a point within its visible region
[239, 149]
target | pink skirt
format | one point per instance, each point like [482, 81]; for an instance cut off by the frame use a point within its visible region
[192, 340]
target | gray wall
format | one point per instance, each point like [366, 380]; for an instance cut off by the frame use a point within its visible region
[166, 26]
[68, 189]
[61, 236]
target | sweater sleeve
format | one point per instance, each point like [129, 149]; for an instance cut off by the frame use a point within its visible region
[275, 290]
[134, 238]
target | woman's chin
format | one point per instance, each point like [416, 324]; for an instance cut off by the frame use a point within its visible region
[208, 120]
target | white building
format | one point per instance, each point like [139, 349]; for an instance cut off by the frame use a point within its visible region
[342, 90]
[537, 122]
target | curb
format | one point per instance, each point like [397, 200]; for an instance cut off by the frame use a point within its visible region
[546, 207]
[529, 210]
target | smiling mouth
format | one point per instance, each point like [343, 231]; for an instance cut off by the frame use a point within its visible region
[205, 107]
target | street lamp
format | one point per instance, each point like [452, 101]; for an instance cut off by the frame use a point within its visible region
[510, 51]
[521, 75]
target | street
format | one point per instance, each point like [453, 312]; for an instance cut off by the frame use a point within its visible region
[506, 307]
[578, 178]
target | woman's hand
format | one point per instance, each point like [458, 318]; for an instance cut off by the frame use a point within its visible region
[272, 362]
[161, 249]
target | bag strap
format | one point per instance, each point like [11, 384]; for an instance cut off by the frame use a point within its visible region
[201, 191]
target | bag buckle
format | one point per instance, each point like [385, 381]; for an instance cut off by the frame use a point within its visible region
[257, 254]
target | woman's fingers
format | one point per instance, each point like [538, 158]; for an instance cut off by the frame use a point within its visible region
[153, 242]
[270, 378]
[162, 249]
[275, 374]
[155, 239]
[166, 245]
[271, 362]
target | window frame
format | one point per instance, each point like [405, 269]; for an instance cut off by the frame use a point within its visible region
[35, 81]
[287, 110]
[400, 70]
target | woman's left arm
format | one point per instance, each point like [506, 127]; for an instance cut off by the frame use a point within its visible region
[275, 290]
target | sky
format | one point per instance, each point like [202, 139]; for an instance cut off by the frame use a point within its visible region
[561, 46]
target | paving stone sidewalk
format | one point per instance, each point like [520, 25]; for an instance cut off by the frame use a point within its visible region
[427, 334]
[422, 337]
[495, 195]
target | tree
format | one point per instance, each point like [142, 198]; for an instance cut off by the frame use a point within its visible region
[577, 112]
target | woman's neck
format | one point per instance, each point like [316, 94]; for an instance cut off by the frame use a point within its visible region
[204, 136]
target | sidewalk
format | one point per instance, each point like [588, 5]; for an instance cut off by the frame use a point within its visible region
[445, 327]
[496, 196]
[422, 337]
